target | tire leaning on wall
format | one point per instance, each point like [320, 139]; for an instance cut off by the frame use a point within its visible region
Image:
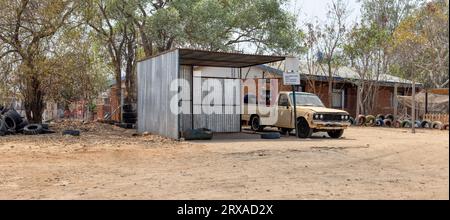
[370, 120]
[425, 124]
[436, 125]
[406, 124]
[360, 120]
[397, 124]
[387, 122]
[379, 122]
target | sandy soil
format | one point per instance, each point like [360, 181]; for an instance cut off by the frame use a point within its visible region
[110, 163]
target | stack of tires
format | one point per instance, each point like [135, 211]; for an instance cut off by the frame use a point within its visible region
[129, 117]
[11, 122]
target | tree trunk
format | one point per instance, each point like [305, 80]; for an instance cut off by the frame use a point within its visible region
[330, 86]
[118, 75]
[33, 100]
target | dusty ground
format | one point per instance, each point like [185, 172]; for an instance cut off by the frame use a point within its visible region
[110, 163]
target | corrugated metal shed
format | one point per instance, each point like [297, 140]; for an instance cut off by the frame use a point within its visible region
[159, 85]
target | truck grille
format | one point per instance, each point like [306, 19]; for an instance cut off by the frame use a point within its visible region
[328, 117]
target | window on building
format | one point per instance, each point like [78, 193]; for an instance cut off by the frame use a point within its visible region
[338, 98]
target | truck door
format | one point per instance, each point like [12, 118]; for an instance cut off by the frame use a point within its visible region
[284, 112]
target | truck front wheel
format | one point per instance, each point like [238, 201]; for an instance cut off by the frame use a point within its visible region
[304, 131]
[336, 133]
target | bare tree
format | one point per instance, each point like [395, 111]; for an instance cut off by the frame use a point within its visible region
[333, 37]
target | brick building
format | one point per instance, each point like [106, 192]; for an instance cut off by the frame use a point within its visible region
[344, 88]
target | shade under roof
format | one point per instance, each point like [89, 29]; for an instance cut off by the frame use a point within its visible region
[222, 59]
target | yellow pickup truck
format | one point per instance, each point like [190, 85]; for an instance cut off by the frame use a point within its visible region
[312, 115]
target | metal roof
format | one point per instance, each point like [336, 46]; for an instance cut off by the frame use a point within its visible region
[193, 57]
[344, 73]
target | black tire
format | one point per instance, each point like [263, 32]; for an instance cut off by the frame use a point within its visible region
[304, 131]
[255, 123]
[14, 115]
[425, 124]
[32, 129]
[198, 134]
[10, 123]
[71, 132]
[286, 130]
[380, 116]
[272, 135]
[336, 133]
[129, 115]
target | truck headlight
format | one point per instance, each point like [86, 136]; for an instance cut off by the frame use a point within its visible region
[343, 117]
[321, 117]
[316, 116]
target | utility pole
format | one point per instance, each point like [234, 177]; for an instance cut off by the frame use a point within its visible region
[413, 107]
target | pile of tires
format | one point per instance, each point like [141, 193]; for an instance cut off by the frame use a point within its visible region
[11, 122]
[129, 117]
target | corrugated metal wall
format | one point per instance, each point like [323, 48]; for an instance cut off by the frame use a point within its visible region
[215, 122]
[186, 102]
[223, 122]
[155, 76]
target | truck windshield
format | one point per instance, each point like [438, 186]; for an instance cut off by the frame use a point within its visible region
[306, 100]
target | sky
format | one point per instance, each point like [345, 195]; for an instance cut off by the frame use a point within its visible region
[311, 9]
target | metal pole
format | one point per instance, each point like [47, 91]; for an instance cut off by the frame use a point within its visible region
[413, 110]
[295, 110]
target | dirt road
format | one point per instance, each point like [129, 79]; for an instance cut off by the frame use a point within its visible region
[110, 163]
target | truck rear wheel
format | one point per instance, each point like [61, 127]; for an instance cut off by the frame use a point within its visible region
[255, 123]
[336, 133]
[304, 131]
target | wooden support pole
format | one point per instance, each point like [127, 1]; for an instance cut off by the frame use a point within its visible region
[395, 101]
[358, 101]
